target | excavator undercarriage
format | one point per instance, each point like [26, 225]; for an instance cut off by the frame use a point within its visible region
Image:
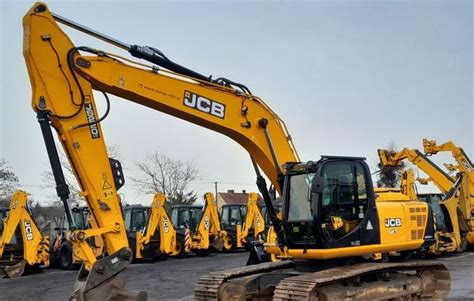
[301, 280]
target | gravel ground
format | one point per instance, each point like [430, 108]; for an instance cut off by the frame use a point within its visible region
[174, 279]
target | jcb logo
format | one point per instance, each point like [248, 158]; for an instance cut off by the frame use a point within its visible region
[258, 221]
[28, 230]
[203, 104]
[206, 222]
[165, 225]
[93, 127]
[393, 222]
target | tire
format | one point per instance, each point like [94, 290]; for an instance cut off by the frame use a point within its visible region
[231, 243]
[464, 244]
[65, 257]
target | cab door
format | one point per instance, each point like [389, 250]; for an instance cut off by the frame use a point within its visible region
[346, 214]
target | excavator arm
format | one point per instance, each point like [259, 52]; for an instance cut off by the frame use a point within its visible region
[63, 81]
[442, 180]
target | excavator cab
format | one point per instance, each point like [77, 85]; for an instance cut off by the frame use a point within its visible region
[232, 215]
[136, 217]
[266, 215]
[329, 204]
[440, 214]
[186, 217]
[80, 216]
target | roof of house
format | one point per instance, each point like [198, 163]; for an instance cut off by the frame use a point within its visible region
[234, 197]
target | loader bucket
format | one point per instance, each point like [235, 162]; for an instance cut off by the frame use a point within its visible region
[14, 271]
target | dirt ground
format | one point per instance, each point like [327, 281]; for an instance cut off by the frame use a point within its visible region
[173, 279]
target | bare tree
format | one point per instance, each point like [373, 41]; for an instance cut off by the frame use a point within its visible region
[160, 173]
[8, 182]
[389, 176]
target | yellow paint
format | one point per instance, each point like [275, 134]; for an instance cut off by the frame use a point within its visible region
[35, 245]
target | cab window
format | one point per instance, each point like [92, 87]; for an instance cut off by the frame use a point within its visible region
[225, 216]
[300, 202]
[128, 219]
[235, 216]
[139, 219]
[344, 191]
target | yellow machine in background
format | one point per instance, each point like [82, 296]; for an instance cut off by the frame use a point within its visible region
[150, 231]
[63, 254]
[200, 226]
[454, 218]
[21, 245]
[465, 174]
[314, 193]
[243, 223]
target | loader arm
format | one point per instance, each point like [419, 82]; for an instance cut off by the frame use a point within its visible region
[209, 223]
[442, 180]
[35, 246]
[158, 220]
[408, 186]
[211, 208]
[253, 218]
[465, 164]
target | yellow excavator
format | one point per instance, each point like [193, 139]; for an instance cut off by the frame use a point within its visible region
[151, 234]
[199, 227]
[243, 223]
[22, 245]
[331, 223]
[454, 220]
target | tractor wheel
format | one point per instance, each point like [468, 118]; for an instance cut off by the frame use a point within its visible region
[65, 257]
[229, 243]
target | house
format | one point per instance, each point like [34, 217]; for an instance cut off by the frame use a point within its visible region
[231, 197]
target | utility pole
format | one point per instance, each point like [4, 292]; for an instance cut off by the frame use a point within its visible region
[215, 187]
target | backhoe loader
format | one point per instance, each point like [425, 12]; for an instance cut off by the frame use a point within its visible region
[22, 245]
[151, 234]
[319, 197]
[453, 214]
[465, 173]
[63, 254]
[200, 226]
[243, 223]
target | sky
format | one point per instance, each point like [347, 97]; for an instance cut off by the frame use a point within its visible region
[347, 77]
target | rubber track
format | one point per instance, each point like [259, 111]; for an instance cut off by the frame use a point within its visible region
[302, 287]
[207, 287]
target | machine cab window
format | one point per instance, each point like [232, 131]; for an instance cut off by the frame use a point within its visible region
[344, 198]
[232, 215]
[326, 201]
[186, 217]
[136, 218]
